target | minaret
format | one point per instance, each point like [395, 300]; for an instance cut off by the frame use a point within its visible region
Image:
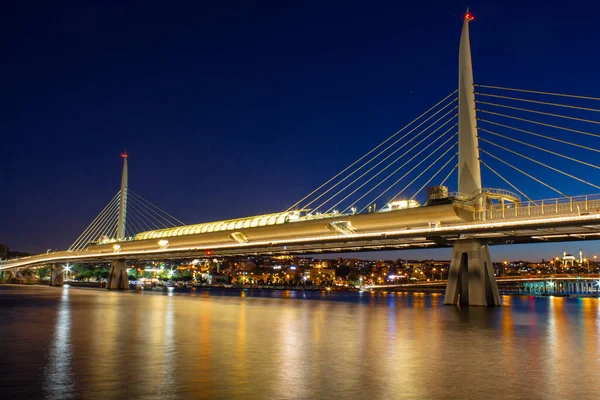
[469, 175]
[123, 206]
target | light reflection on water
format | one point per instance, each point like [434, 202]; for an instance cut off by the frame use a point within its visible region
[69, 342]
[58, 374]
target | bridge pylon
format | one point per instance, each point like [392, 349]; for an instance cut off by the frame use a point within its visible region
[123, 201]
[118, 278]
[471, 278]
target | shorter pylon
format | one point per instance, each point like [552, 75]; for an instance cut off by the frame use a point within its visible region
[471, 278]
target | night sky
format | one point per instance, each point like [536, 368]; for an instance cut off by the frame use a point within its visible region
[230, 109]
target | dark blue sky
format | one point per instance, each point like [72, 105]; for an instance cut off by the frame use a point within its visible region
[231, 109]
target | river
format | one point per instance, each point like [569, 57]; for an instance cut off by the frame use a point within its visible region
[60, 343]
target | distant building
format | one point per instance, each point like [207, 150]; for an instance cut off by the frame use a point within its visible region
[321, 274]
[568, 258]
[3, 251]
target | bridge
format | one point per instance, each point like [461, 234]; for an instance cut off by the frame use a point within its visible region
[556, 285]
[458, 135]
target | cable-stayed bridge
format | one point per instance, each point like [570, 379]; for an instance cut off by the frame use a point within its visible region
[396, 196]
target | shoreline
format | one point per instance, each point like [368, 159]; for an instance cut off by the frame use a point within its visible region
[158, 289]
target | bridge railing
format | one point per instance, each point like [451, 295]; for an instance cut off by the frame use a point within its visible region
[576, 205]
[492, 192]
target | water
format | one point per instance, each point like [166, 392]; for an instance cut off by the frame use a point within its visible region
[62, 343]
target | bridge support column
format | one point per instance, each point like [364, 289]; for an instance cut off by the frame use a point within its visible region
[7, 276]
[471, 278]
[57, 275]
[118, 279]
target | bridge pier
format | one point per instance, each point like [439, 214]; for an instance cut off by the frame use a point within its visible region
[118, 279]
[8, 276]
[57, 275]
[471, 278]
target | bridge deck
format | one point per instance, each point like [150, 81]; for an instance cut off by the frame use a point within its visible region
[571, 219]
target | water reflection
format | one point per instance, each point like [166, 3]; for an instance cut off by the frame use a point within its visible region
[58, 376]
[294, 345]
[168, 350]
[240, 353]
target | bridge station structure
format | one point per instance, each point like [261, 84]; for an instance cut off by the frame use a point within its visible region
[328, 219]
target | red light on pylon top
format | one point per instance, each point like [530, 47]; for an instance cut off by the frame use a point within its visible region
[124, 155]
[469, 16]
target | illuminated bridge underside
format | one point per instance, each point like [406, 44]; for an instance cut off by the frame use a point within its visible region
[227, 225]
[405, 229]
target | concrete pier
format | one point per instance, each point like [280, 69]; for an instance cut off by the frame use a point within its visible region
[471, 278]
[118, 278]
[57, 275]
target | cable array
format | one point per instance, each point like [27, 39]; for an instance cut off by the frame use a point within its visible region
[401, 153]
[141, 216]
[549, 138]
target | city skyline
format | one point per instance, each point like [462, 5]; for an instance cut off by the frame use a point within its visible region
[236, 183]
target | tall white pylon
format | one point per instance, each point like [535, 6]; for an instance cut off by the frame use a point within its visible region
[123, 206]
[471, 278]
[469, 174]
